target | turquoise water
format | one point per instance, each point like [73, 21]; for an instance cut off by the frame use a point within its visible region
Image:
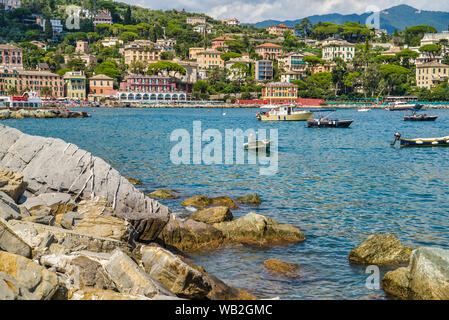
[337, 185]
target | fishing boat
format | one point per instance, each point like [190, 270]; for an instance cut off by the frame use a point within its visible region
[403, 106]
[257, 145]
[325, 122]
[420, 117]
[421, 142]
[284, 113]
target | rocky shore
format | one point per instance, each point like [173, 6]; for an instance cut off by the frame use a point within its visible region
[14, 113]
[71, 227]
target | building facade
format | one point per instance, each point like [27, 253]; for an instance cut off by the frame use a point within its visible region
[292, 62]
[149, 89]
[195, 20]
[203, 28]
[279, 30]
[231, 22]
[31, 80]
[101, 85]
[220, 42]
[279, 92]
[209, 58]
[338, 48]
[82, 46]
[238, 68]
[103, 17]
[75, 85]
[111, 42]
[11, 4]
[263, 70]
[11, 57]
[430, 74]
[269, 51]
[141, 50]
[193, 52]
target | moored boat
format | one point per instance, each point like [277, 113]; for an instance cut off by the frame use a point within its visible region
[257, 145]
[420, 117]
[29, 99]
[284, 113]
[403, 106]
[328, 123]
[421, 142]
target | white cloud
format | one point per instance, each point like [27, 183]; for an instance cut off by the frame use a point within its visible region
[258, 10]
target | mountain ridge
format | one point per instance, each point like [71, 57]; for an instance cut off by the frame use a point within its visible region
[397, 17]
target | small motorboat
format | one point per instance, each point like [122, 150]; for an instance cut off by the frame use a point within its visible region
[421, 142]
[364, 109]
[257, 145]
[403, 106]
[420, 117]
[325, 122]
[283, 113]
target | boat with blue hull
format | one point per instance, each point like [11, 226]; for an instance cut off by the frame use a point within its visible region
[421, 142]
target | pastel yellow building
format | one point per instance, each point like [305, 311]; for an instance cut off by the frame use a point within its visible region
[193, 52]
[338, 48]
[279, 92]
[209, 58]
[430, 74]
[141, 50]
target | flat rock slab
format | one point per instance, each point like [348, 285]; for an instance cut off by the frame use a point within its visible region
[54, 203]
[8, 208]
[12, 184]
[52, 165]
[11, 241]
[380, 249]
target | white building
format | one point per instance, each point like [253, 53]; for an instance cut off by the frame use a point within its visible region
[11, 4]
[338, 48]
[231, 22]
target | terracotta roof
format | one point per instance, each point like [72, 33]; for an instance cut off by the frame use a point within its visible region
[101, 77]
[279, 84]
[222, 38]
[432, 64]
[270, 45]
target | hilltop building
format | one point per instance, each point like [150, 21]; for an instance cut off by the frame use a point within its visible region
[263, 70]
[338, 48]
[209, 58]
[10, 4]
[103, 17]
[220, 42]
[269, 51]
[11, 57]
[231, 22]
[195, 20]
[430, 74]
[279, 30]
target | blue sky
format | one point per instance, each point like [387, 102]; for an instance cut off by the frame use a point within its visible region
[258, 10]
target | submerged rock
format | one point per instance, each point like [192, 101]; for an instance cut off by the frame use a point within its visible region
[425, 278]
[212, 215]
[163, 194]
[224, 201]
[203, 201]
[380, 249]
[12, 184]
[286, 269]
[135, 181]
[257, 229]
[253, 199]
[36, 282]
[52, 165]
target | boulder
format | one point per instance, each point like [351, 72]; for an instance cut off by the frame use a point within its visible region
[52, 165]
[260, 230]
[174, 274]
[37, 282]
[212, 215]
[11, 242]
[224, 201]
[221, 291]
[48, 220]
[163, 194]
[49, 204]
[380, 249]
[190, 235]
[65, 241]
[197, 202]
[129, 278]
[425, 278]
[286, 269]
[8, 208]
[69, 219]
[253, 199]
[106, 227]
[11, 289]
[99, 294]
[12, 184]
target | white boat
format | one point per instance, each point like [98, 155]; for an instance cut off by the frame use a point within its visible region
[284, 113]
[402, 105]
[364, 110]
[257, 145]
[29, 99]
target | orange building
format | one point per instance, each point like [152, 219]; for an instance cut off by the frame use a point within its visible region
[101, 85]
[279, 92]
[269, 51]
[280, 29]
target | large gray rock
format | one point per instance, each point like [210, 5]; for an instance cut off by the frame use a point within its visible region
[65, 241]
[174, 274]
[130, 279]
[52, 165]
[53, 203]
[8, 208]
[11, 242]
[425, 278]
[37, 282]
[380, 249]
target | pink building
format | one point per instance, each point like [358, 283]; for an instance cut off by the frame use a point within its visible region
[82, 47]
[10, 57]
[220, 42]
[146, 83]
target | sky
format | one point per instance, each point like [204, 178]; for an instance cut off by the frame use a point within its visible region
[250, 11]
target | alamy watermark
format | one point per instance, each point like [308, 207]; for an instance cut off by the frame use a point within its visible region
[373, 20]
[373, 280]
[73, 17]
[212, 147]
